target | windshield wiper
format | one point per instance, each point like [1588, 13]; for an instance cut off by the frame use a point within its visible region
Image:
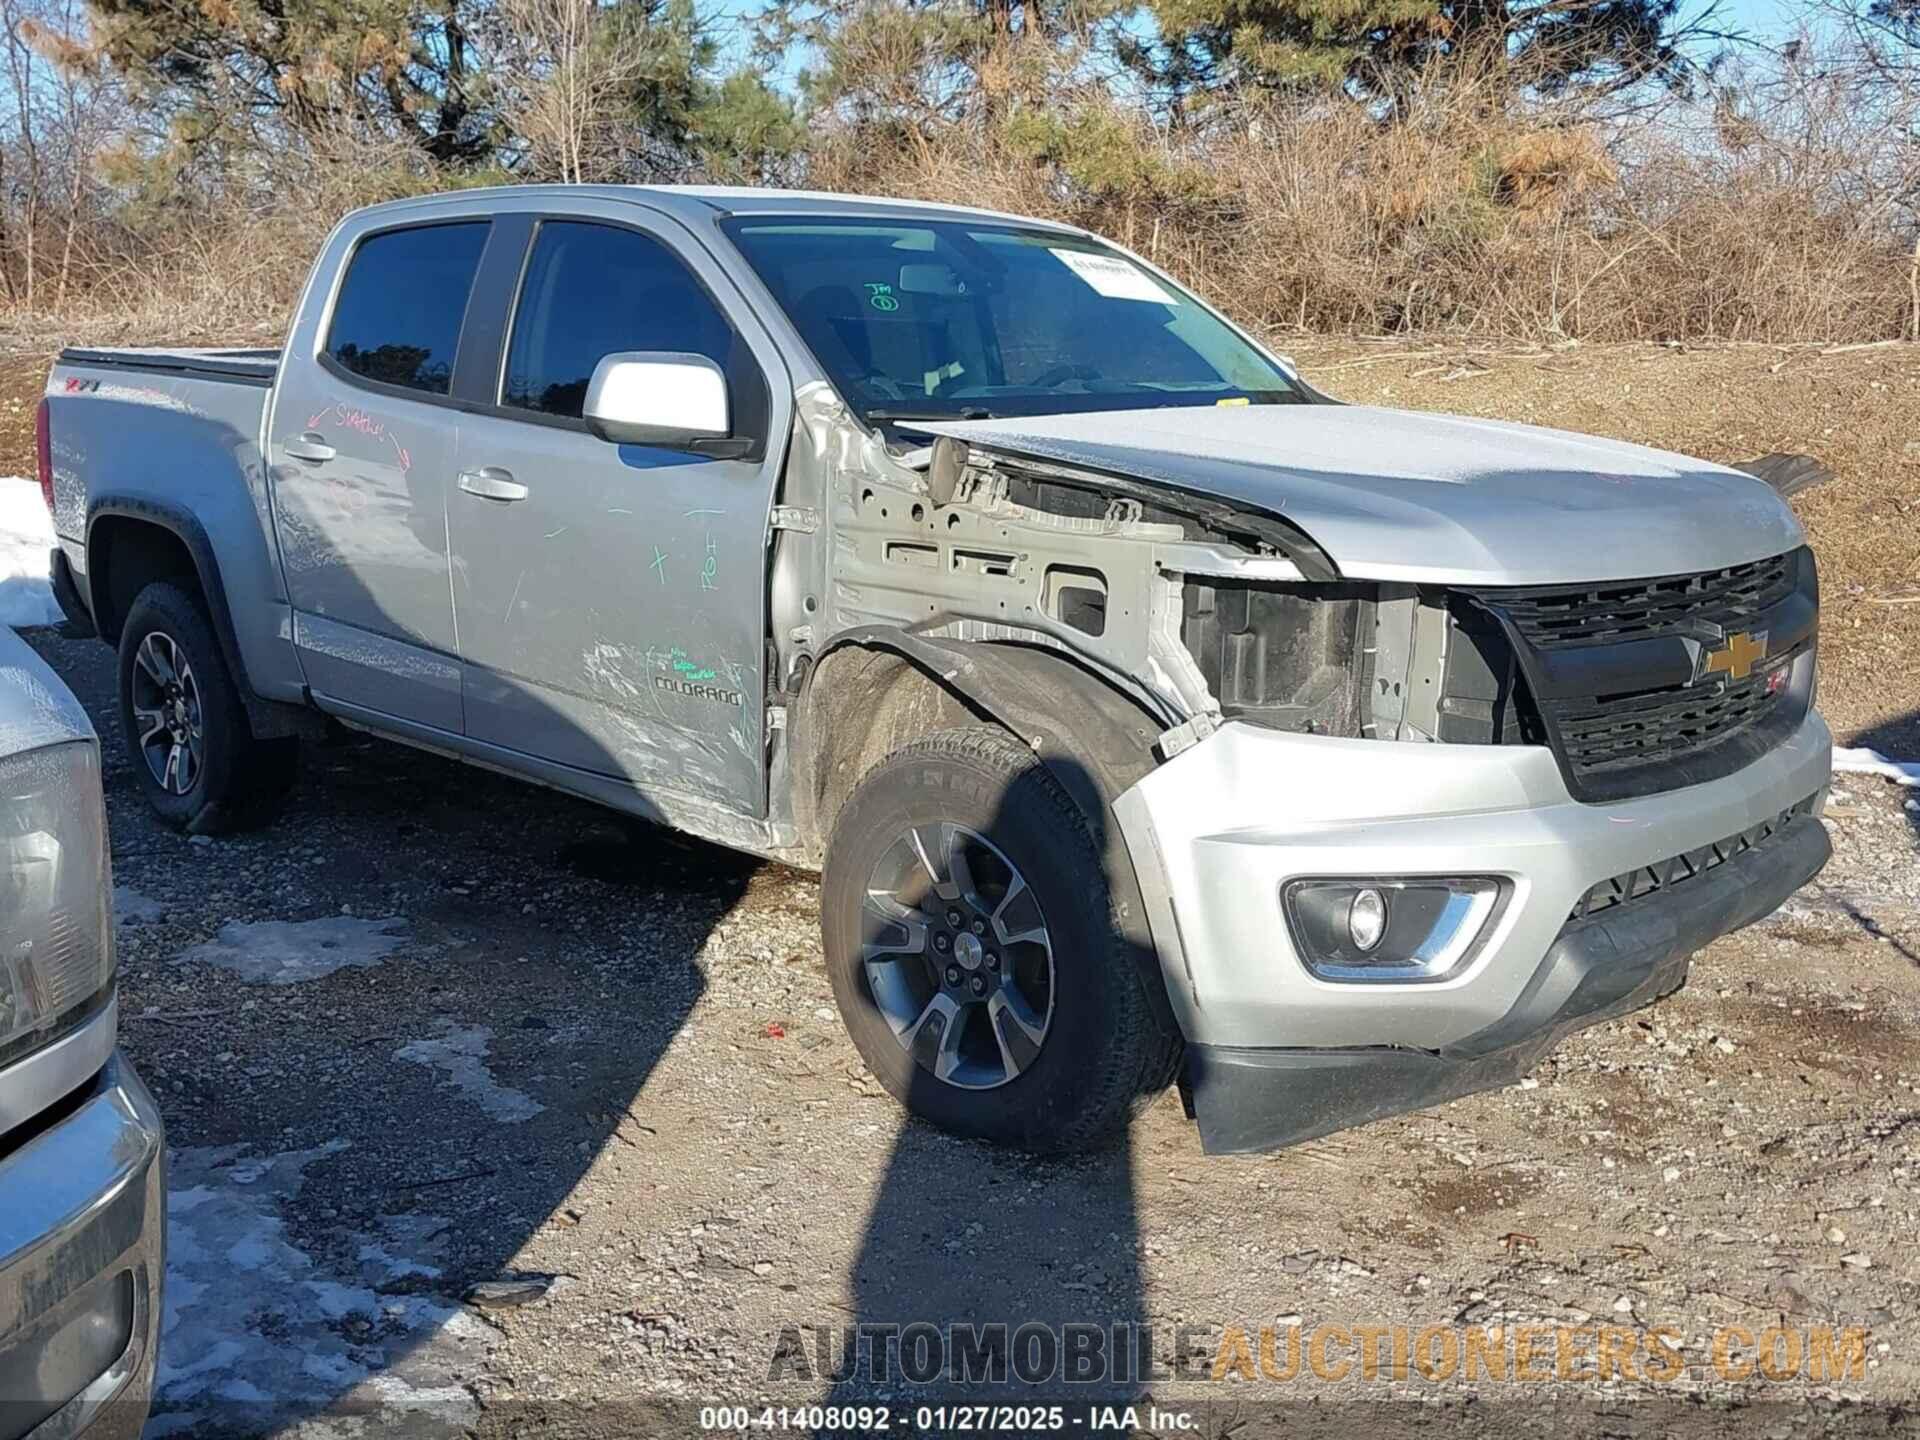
[965, 412]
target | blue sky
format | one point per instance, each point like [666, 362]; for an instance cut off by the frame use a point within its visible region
[1762, 17]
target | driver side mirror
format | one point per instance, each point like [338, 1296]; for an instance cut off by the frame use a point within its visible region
[662, 398]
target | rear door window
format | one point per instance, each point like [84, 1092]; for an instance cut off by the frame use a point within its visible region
[397, 320]
[592, 291]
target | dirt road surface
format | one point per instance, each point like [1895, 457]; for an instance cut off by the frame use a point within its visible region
[436, 1029]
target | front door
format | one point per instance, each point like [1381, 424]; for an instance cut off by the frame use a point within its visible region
[611, 599]
[360, 450]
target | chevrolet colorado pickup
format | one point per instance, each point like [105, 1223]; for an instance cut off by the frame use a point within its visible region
[82, 1156]
[1151, 716]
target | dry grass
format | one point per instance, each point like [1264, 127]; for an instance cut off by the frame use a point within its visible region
[1324, 221]
[1788, 218]
[1785, 208]
[221, 264]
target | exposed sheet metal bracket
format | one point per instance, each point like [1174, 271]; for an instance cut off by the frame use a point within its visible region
[1186, 735]
[797, 518]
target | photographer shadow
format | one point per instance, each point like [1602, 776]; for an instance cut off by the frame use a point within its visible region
[989, 1276]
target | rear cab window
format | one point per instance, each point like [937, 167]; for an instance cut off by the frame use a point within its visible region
[398, 315]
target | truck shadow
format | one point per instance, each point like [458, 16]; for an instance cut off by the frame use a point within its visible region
[350, 1153]
[556, 950]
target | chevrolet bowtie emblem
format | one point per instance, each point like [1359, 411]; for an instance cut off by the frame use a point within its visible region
[1737, 657]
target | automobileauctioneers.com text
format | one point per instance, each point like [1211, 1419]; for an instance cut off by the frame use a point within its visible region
[1135, 1354]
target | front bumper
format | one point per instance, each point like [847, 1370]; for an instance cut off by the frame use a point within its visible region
[1277, 1055]
[82, 1217]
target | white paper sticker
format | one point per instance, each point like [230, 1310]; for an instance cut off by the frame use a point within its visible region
[1113, 277]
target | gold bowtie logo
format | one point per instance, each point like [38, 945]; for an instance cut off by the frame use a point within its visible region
[1737, 657]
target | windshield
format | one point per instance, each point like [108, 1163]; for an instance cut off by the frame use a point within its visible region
[953, 320]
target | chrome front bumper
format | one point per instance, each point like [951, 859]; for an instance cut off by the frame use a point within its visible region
[1216, 832]
[82, 1242]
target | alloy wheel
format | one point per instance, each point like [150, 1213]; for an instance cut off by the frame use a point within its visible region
[166, 708]
[957, 956]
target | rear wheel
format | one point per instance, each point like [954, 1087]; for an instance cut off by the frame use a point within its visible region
[194, 756]
[973, 951]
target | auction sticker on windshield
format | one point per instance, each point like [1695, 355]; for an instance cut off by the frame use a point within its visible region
[1112, 277]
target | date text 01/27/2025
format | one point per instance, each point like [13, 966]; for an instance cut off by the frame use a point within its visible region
[944, 1419]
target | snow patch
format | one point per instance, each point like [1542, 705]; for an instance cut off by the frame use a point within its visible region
[289, 952]
[1871, 762]
[257, 1332]
[26, 543]
[461, 1052]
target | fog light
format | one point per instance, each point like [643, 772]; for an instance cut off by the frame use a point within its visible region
[1419, 928]
[1367, 919]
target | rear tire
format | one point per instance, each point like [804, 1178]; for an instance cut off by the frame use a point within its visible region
[1026, 1022]
[193, 754]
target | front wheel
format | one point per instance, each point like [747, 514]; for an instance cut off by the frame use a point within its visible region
[194, 755]
[970, 938]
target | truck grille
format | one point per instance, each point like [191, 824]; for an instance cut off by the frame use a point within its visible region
[1558, 617]
[1611, 671]
[1677, 869]
[1605, 732]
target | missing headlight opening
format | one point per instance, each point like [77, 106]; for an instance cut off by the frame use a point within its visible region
[1364, 661]
[1293, 657]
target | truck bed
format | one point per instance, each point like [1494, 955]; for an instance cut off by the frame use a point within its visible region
[242, 367]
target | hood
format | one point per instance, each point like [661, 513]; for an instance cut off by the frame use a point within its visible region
[35, 707]
[1398, 495]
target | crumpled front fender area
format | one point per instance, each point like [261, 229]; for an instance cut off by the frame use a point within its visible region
[877, 689]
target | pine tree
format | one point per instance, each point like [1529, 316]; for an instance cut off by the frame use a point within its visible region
[475, 89]
[1377, 48]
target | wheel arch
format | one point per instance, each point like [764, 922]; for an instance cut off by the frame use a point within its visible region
[133, 540]
[877, 689]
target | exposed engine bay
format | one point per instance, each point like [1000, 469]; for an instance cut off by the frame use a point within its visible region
[1201, 612]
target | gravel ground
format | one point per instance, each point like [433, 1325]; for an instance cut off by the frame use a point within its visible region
[436, 1029]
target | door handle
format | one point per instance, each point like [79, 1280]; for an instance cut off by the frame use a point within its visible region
[308, 447]
[492, 483]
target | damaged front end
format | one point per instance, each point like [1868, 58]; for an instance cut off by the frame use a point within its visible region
[1377, 814]
[1201, 612]
[1204, 613]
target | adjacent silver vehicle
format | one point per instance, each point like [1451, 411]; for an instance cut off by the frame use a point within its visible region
[1152, 716]
[82, 1163]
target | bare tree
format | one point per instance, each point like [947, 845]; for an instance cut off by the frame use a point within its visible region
[571, 67]
[61, 107]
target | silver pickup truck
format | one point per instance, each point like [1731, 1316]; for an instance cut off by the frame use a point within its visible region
[82, 1160]
[1151, 715]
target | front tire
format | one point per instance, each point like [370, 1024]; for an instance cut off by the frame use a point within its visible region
[974, 953]
[194, 756]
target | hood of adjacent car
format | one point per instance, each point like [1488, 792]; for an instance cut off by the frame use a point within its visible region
[35, 707]
[1397, 495]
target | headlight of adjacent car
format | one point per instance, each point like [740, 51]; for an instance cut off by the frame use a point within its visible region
[56, 932]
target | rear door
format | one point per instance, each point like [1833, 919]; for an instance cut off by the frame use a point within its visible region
[611, 599]
[360, 452]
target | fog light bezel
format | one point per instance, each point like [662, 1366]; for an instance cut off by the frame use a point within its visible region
[1486, 898]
